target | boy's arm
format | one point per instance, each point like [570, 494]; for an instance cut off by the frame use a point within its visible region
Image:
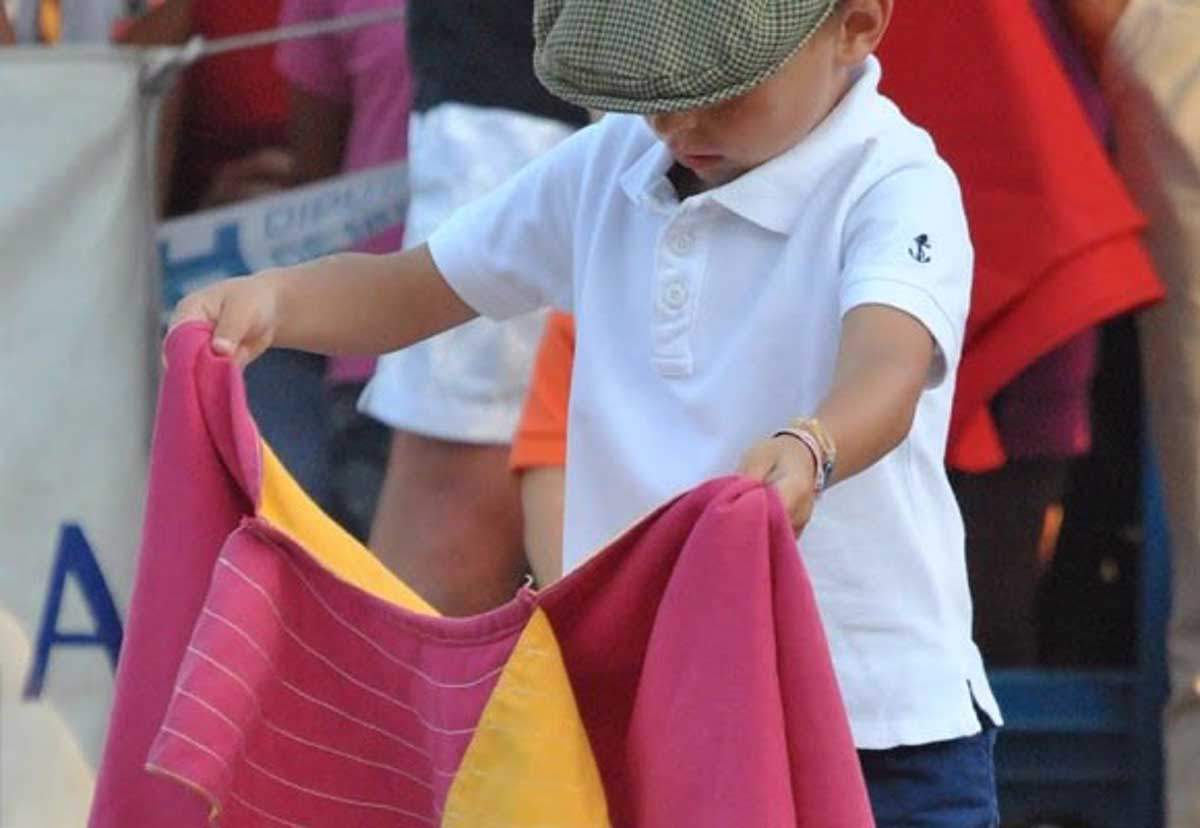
[507, 253]
[345, 304]
[905, 295]
[884, 360]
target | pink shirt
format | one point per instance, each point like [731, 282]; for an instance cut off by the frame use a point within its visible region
[367, 69]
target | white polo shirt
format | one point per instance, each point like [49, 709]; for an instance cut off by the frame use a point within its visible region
[705, 325]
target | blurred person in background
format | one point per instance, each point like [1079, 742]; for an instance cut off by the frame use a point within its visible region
[224, 138]
[449, 517]
[1044, 424]
[1147, 55]
[349, 100]
[1059, 252]
[225, 125]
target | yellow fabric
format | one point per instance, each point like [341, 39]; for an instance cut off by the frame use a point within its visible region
[530, 762]
[289, 509]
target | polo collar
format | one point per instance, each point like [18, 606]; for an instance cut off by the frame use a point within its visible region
[646, 182]
[774, 194]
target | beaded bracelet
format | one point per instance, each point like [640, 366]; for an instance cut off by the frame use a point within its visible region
[814, 448]
[826, 450]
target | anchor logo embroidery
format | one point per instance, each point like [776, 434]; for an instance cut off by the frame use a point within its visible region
[920, 249]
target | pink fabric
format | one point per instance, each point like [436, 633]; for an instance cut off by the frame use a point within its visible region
[302, 699]
[193, 503]
[367, 69]
[702, 673]
[255, 676]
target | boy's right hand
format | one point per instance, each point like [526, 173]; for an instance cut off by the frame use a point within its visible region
[243, 312]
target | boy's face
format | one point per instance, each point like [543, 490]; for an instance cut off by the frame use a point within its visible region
[719, 143]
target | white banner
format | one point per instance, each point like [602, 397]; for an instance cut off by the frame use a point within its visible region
[78, 350]
[80, 309]
[284, 229]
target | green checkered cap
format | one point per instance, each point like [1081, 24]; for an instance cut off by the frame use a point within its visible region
[666, 55]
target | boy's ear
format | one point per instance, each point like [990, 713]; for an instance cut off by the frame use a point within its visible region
[861, 24]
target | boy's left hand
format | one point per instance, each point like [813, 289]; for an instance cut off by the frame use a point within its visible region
[786, 463]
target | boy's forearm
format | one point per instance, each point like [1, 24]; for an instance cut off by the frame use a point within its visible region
[355, 303]
[883, 363]
[867, 415]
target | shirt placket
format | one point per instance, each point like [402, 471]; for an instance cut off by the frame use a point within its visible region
[678, 268]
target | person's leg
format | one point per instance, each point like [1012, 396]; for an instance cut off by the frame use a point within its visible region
[358, 456]
[286, 393]
[449, 523]
[941, 785]
[1004, 513]
[1171, 350]
[449, 516]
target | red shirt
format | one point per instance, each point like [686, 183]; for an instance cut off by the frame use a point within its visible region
[234, 104]
[1057, 238]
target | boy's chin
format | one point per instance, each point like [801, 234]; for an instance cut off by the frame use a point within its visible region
[717, 176]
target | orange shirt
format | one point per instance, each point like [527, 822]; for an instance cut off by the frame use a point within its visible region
[541, 438]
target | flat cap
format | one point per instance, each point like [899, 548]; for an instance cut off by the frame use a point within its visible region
[649, 56]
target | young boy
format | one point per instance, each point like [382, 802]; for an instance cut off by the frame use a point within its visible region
[770, 271]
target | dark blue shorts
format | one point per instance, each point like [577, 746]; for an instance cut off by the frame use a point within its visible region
[941, 785]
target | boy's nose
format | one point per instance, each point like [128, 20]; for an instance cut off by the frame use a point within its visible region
[672, 123]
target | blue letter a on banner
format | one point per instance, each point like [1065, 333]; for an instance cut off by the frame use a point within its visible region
[75, 558]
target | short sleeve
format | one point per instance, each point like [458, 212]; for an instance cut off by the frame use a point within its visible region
[512, 251]
[907, 246]
[314, 64]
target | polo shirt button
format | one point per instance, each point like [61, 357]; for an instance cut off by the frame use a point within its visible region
[675, 295]
[683, 242]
